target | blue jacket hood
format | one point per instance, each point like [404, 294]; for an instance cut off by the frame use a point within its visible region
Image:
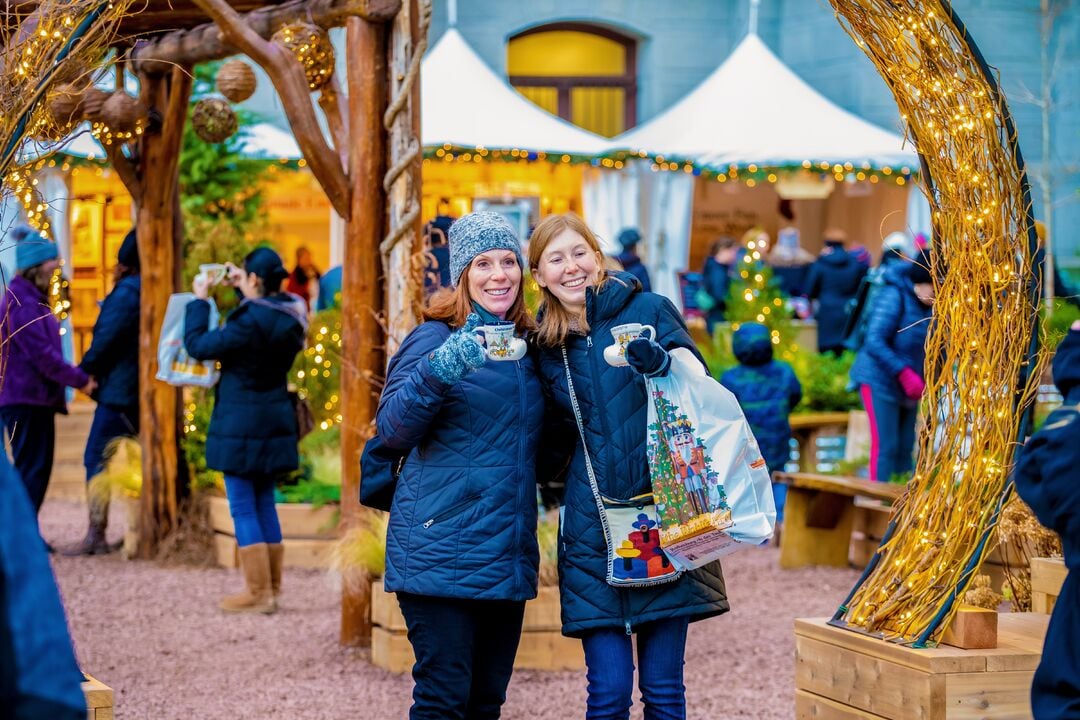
[1067, 364]
[752, 344]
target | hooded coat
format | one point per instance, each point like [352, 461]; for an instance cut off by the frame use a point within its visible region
[767, 391]
[613, 404]
[463, 518]
[1048, 480]
[113, 356]
[253, 431]
[833, 281]
[895, 336]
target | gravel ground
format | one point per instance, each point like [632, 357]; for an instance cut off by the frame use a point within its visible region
[155, 635]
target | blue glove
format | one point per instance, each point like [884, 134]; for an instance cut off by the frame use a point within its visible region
[459, 354]
[647, 357]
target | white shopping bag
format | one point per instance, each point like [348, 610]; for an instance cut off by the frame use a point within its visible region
[175, 366]
[712, 489]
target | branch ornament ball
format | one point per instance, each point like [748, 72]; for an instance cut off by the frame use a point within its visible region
[123, 114]
[236, 81]
[311, 46]
[213, 120]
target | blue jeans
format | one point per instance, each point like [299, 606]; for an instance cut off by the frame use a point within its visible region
[251, 503]
[609, 655]
[892, 434]
[464, 655]
[109, 423]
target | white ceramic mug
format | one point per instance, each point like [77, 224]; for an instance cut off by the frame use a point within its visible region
[500, 342]
[615, 354]
[213, 272]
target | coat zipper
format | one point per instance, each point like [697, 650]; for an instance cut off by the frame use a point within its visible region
[521, 456]
[451, 511]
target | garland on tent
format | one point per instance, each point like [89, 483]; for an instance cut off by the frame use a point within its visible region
[983, 367]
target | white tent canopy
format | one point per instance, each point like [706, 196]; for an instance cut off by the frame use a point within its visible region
[755, 109]
[465, 104]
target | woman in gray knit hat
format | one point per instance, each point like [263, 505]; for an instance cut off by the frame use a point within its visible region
[461, 550]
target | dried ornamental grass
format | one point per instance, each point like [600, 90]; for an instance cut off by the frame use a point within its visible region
[981, 370]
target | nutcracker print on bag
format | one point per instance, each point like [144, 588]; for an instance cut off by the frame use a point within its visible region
[686, 487]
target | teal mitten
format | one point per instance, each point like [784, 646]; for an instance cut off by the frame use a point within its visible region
[459, 354]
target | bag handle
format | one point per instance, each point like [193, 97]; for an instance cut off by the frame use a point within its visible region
[581, 431]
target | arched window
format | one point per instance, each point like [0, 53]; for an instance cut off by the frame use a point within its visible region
[582, 73]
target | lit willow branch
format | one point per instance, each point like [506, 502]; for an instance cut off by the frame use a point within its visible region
[982, 368]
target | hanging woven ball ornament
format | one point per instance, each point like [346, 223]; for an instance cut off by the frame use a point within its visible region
[311, 46]
[93, 99]
[236, 81]
[65, 105]
[213, 120]
[122, 113]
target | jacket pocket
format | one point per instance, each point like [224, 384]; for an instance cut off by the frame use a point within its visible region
[452, 511]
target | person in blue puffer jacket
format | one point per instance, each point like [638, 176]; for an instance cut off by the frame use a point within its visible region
[1047, 479]
[461, 548]
[581, 305]
[113, 358]
[767, 391]
[253, 430]
[888, 369]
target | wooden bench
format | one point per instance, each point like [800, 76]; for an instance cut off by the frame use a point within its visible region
[807, 428]
[1047, 577]
[819, 516]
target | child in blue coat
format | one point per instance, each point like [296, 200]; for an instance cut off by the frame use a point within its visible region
[768, 391]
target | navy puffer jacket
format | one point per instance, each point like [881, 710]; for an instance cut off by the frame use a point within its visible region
[253, 431]
[113, 357]
[463, 518]
[895, 336]
[833, 280]
[613, 405]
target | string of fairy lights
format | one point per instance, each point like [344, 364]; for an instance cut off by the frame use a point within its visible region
[751, 174]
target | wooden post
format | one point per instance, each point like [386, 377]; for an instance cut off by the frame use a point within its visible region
[362, 337]
[157, 226]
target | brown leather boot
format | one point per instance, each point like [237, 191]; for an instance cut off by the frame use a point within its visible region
[277, 555]
[257, 596]
[94, 543]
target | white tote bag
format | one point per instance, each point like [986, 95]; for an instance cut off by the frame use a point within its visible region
[175, 366]
[712, 489]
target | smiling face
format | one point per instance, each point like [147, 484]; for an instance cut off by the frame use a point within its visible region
[567, 267]
[494, 280]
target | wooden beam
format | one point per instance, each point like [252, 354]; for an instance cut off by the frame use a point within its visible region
[157, 226]
[206, 42]
[336, 119]
[288, 77]
[362, 337]
[126, 170]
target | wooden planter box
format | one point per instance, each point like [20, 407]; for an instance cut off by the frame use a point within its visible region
[308, 533]
[1047, 577]
[842, 675]
[542, 646]
[99, 699]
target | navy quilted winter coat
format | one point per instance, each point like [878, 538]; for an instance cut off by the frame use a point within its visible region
[833, 280]
[113, 357]
[253, 429]
[463, 518]
[895, 336]
[614, 411]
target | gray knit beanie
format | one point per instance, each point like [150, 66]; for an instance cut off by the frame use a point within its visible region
[477, 233]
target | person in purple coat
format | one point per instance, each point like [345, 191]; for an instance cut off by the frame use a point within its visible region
[34, 372]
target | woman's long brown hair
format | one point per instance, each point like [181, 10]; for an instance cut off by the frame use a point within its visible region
[555, 319]
[453, 305]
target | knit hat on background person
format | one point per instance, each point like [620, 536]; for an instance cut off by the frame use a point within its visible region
[629, 237]
[477, 233]
[898, 243]
[920, 271]
[128, 255]
[267, 264]
[752, 344]
[31, 247]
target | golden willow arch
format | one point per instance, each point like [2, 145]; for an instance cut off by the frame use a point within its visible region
[983, 362]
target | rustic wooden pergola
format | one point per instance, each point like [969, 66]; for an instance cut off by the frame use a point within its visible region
[369, 169]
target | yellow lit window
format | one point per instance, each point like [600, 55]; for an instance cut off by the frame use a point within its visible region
[584, 74]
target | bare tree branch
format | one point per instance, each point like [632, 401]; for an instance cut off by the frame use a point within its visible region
[336, 119]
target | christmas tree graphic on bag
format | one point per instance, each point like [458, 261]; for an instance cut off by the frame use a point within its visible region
[712, 489]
